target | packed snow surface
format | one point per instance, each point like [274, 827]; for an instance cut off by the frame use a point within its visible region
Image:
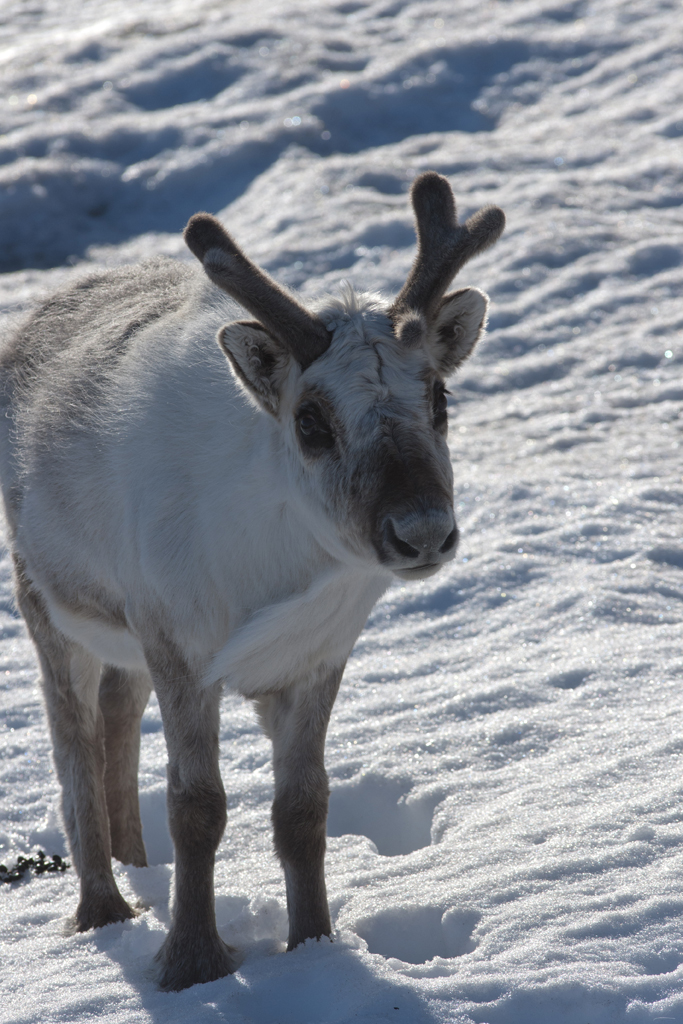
[506, 822]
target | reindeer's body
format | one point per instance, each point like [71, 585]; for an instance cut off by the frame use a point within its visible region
[167, 532]
[184, 494]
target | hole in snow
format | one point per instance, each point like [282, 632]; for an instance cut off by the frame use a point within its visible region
[570, 680]
[170, 85]
[382, 810]
[441, 90]
[417, 934]
[664, 963]
[667, 556]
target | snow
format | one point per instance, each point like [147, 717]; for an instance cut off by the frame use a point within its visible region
[506, 822]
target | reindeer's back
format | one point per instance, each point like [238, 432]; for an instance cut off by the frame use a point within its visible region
[56, 364]
[101, 313]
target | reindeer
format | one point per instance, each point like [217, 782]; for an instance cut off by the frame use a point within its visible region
[188, 516]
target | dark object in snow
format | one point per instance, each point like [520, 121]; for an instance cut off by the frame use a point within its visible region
[41, 865]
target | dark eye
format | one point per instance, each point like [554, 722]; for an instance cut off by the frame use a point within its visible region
[440, 405]
[307, 425]
[314, 432]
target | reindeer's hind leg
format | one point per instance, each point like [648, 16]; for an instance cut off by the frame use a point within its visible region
[123, 699]
[70, 685]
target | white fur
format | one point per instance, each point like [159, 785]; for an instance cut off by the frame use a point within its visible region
[285, 643]
[167, 518]
[111, 645]
[197, 505]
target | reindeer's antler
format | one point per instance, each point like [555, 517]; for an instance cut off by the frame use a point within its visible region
[443, 245]
[302, 334]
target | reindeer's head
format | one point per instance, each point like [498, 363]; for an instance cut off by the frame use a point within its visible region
[358, 388]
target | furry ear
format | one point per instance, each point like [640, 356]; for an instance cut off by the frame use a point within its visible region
[457, 327]
[258, 361]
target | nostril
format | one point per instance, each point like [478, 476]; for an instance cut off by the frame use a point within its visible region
[401, 546]
[449, 541]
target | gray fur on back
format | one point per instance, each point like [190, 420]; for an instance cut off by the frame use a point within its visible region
[111, 306]
[58, 361]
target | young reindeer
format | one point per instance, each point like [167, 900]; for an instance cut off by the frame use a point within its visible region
[185, 515]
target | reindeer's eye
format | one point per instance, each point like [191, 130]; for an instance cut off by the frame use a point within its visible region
[314, 432]
[307, 425]
[440, 405]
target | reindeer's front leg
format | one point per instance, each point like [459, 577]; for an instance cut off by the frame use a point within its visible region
[193, 951]
[296, 720]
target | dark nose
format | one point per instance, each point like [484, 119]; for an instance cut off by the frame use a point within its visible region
[425, 537]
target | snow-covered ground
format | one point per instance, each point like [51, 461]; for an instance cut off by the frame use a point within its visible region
[506, 825]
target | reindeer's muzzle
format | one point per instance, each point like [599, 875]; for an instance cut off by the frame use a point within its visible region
[416, 542]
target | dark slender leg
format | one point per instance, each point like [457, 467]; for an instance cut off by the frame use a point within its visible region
[70, 684]
[296, 720]
[193, 952]
[123, 699]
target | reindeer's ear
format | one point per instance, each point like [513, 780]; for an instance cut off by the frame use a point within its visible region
[257, 359]
[457, 327]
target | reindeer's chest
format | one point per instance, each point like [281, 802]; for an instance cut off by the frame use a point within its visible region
[285, 642]
[280, 644]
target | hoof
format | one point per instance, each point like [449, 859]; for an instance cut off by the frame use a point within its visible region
[294, 942]
[194, 963]
[300, 932]
[98, 911]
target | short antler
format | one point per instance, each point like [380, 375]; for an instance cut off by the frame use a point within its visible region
[301, 333]
[443, 245]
